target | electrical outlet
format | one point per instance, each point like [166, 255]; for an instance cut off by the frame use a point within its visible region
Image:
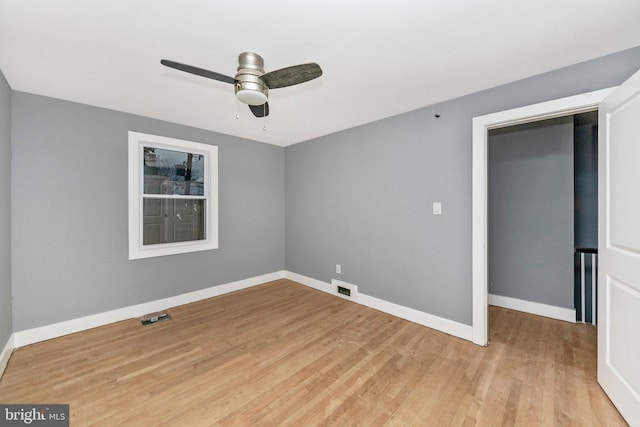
[338, 269]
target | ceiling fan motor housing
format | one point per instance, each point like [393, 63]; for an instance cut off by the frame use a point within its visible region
[249, 87]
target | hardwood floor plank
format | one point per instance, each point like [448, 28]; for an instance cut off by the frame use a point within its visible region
[282, 354]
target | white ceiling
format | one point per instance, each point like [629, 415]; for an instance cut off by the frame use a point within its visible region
[380, 58]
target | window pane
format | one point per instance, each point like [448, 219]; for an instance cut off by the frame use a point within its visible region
[172, 220]
[173, 172]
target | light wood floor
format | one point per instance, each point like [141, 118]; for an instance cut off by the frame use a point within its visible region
[284, 354]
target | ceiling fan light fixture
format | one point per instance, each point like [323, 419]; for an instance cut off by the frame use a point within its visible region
[249, 87]
[251, 94]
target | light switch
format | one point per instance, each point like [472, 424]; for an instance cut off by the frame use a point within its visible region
[437, 208]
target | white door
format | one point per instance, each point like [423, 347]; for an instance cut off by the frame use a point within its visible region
[619, 249]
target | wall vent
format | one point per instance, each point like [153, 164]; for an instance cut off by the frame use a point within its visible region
[344, 289]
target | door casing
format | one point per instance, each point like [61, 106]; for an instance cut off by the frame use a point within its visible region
[481, 126]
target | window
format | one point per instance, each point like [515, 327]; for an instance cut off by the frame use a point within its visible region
[173, 196]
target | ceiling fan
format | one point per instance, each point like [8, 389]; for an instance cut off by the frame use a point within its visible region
[251, 83]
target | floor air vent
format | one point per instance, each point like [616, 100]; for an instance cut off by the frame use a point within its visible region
[154, 318]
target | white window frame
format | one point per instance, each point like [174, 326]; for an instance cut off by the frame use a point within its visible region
[137, 142]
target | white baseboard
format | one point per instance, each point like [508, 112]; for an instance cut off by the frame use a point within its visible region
[425, 319]
[559, 313]
[42, 333]
[6, 353]
[309, 281]
[55, 330]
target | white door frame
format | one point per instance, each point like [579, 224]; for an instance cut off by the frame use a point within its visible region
[481, 125]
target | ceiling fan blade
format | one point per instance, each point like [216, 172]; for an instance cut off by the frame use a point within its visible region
[198, 71]
[260, 110]
[293, 75]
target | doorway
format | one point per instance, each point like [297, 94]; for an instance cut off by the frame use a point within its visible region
[542, 210]
[481, 126]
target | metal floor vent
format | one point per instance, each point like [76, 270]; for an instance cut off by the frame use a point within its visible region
[344, 291]
[155, 318]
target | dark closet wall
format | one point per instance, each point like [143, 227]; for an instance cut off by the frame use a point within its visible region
[586, 209]
[586, 179]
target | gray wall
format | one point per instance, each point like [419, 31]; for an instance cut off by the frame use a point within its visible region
[5, 211]
[70, 253]
[362, 198]
[531, 212]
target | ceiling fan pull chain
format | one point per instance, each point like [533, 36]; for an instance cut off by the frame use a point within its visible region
[264, 116]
